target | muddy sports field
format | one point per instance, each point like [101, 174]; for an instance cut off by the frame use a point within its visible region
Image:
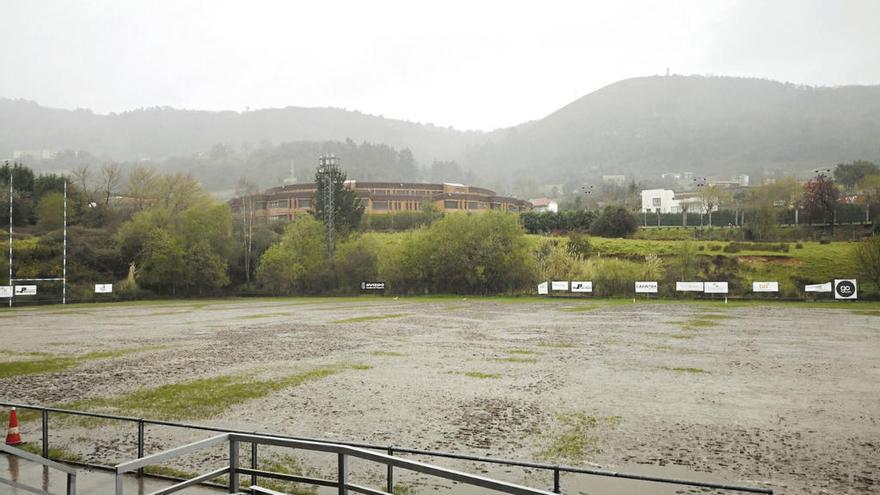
[785, 396]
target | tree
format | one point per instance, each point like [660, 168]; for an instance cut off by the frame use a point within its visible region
[111, 177]
[143, 185]
[347, 210]
[850, 174]
[820, 199]
[180, 243]
[712, 197]
[615, 221]
[50, 211]
[296, 263]
[247, 216]
[868, 259]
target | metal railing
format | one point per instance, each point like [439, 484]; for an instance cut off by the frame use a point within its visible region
[342, 453]
[69, 471]
[555, 470]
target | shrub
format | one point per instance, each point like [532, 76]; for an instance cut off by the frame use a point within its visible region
[297, 262]
[868, 259]
[486, 253]
[579, 244]
[615, 221]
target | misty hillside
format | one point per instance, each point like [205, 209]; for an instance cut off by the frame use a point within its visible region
[642, 126]
[709, 125]
[158, 133]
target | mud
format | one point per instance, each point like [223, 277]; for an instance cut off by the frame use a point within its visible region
[782, 396]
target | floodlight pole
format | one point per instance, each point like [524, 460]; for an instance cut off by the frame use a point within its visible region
[327, 167]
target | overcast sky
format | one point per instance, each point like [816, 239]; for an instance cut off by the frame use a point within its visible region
[468, 64]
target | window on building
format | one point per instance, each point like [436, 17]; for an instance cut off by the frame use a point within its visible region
[261, 205]
[472, 205]
[304, 203]
[450, 204]
[278, 203]
[380, 205]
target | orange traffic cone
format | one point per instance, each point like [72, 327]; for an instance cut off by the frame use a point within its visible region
[12, 435]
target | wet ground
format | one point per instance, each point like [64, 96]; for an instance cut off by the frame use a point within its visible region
[780, 396]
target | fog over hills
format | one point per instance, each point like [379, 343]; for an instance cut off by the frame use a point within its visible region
[641, 126]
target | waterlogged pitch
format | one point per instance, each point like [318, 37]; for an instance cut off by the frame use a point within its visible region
[777, 395]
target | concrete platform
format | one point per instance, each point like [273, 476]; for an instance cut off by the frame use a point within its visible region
[88, 481]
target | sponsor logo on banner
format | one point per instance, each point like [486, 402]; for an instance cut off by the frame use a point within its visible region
[559, 285]
[5, 291]
[818, 288]
[646, 287]
[103, 288]
[372, 285]
[715, 287]
[582, 286]
[846, 289]
[25, 290]
[689, 286]
[765, 286]
[542, 289]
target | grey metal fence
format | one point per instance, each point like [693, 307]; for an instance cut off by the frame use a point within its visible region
[551, 469]
[67, 470]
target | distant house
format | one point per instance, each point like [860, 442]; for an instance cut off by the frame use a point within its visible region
[544, 204]
[659, 201]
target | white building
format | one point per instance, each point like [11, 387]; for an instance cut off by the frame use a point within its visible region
[659, 201]
[544, 204]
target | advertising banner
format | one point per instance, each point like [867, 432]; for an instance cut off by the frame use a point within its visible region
[103, 288]
[646, 287]
[689, 286]
[25, 290]
[559, 285]
[372, 285]
[818, 288]
[582, 286]
[715, 287]
[765, 286]
[542, 289]
[846, 289]
[5, 291]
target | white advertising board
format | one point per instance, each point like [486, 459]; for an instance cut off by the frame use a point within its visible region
[715, 287]
[646, 287]
[542, 289]
[559, 285]
[103, 288]
[689, 286]
[25, 290]
[765, 286]
[5, 291]
[846, 289]
[582, 286]
[818, 288]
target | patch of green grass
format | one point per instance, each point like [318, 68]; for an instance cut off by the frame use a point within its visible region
[387, 353]
[202, 398]
[524, 351]
[875, 312]
[513, 359]
[360, 366]
[579, 309]
[479, 375]
[56, 454]
[170, 472]
[50, 364]
[684, 370]
[573, 439]
[286, 464]
[359, 319]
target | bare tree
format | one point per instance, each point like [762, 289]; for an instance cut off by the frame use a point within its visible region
[111, 176]
[143, 183]
[82, 177]
[247, 206]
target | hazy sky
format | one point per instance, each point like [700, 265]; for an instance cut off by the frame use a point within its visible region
[469, 64]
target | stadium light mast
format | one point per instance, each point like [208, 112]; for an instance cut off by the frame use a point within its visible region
[327, 168]
[10, 233]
